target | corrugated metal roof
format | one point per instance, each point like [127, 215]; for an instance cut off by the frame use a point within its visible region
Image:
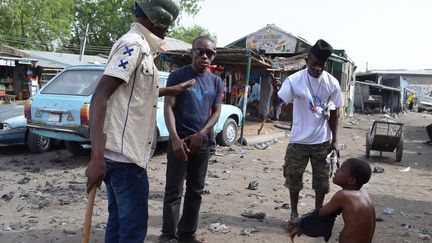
[227, 57]
[61, 60]
[380, 86]
[56, 59]
[175, 44]
[400, 71]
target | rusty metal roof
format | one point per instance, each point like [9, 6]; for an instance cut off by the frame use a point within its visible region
[234, 58]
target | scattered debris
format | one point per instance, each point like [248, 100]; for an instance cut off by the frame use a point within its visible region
[411, 228]
[7, 196]
[379, 219]
[389, 211]
[218, 228]
[212, 175]
[249, 214]
[69, 232]
[262, 146]
[17, 226]
[248, 231]
[285, 206]
[101, 225]
[406, 169]
[206, 190]
[24, 180]
[424, 236]
[253, 185]
[378, 170]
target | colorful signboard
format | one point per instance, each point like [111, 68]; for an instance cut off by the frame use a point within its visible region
[272, 41]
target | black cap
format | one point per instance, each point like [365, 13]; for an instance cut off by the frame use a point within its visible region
[321, 50]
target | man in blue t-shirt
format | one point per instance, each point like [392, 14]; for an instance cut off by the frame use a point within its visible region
[189, 117]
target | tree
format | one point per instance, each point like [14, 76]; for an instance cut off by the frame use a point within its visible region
[61, 24]
[105, 29]
[36, 24]
[187, 34]
[107, 20]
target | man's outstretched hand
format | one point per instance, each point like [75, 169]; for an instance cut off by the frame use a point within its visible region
[182, 87]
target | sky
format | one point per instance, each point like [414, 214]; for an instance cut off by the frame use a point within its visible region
[376, 34]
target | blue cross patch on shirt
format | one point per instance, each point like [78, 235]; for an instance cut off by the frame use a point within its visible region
[128, 51]
[123, 64]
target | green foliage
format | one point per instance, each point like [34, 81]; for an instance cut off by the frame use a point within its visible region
[190, 7]
[104, 28]
[36, 24]
[107, 20]
[61, 24]
[188, 34]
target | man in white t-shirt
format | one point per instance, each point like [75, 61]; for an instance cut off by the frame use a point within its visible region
[316, 97]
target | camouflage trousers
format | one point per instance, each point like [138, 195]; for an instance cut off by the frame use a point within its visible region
[296, 159]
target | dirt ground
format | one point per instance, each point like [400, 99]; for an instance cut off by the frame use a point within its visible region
[43, 196]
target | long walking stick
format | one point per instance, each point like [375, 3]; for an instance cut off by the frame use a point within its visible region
[265, 119]
[90, 203]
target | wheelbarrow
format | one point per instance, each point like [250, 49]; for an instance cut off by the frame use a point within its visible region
[387, 137]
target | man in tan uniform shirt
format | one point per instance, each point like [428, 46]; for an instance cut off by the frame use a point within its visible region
[124, 108]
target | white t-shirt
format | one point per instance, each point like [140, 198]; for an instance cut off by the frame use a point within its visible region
[310, 96]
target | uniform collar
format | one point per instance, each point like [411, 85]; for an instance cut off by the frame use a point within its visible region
[156, 44]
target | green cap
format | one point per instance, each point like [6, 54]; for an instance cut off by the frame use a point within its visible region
[162, 13]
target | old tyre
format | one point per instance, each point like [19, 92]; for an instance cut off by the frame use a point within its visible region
[38, 144]
[368, 145]
[228, 135]
[76, 149]
[399, 151]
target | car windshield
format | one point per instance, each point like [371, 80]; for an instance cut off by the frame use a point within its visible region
[74, 82]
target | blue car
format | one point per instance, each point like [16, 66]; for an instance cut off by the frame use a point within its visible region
[13, 130]
[60, 110]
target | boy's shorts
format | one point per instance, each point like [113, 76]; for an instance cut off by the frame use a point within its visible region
[296, 159]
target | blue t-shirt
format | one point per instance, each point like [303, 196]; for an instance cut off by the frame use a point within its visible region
[193, 107]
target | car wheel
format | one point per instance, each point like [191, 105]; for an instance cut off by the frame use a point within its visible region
[76, 149]
[38, 144]
[228, 135]
[399, 151]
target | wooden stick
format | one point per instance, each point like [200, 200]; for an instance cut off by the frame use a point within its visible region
[90, 204]
[264, 120]
[88, 216]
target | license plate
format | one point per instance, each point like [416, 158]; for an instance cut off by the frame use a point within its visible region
[52, 117]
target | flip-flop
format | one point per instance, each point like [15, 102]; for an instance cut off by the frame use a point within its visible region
[378, 169]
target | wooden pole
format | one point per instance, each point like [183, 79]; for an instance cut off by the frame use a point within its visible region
[88, 216]
[90, 204]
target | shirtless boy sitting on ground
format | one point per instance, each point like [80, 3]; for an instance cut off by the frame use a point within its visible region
[357, 208]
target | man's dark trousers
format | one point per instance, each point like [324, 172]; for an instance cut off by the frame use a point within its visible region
[194, 170]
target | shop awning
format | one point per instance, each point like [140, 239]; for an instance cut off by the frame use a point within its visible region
[234, 59]
[10, 61]
[378, 86]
